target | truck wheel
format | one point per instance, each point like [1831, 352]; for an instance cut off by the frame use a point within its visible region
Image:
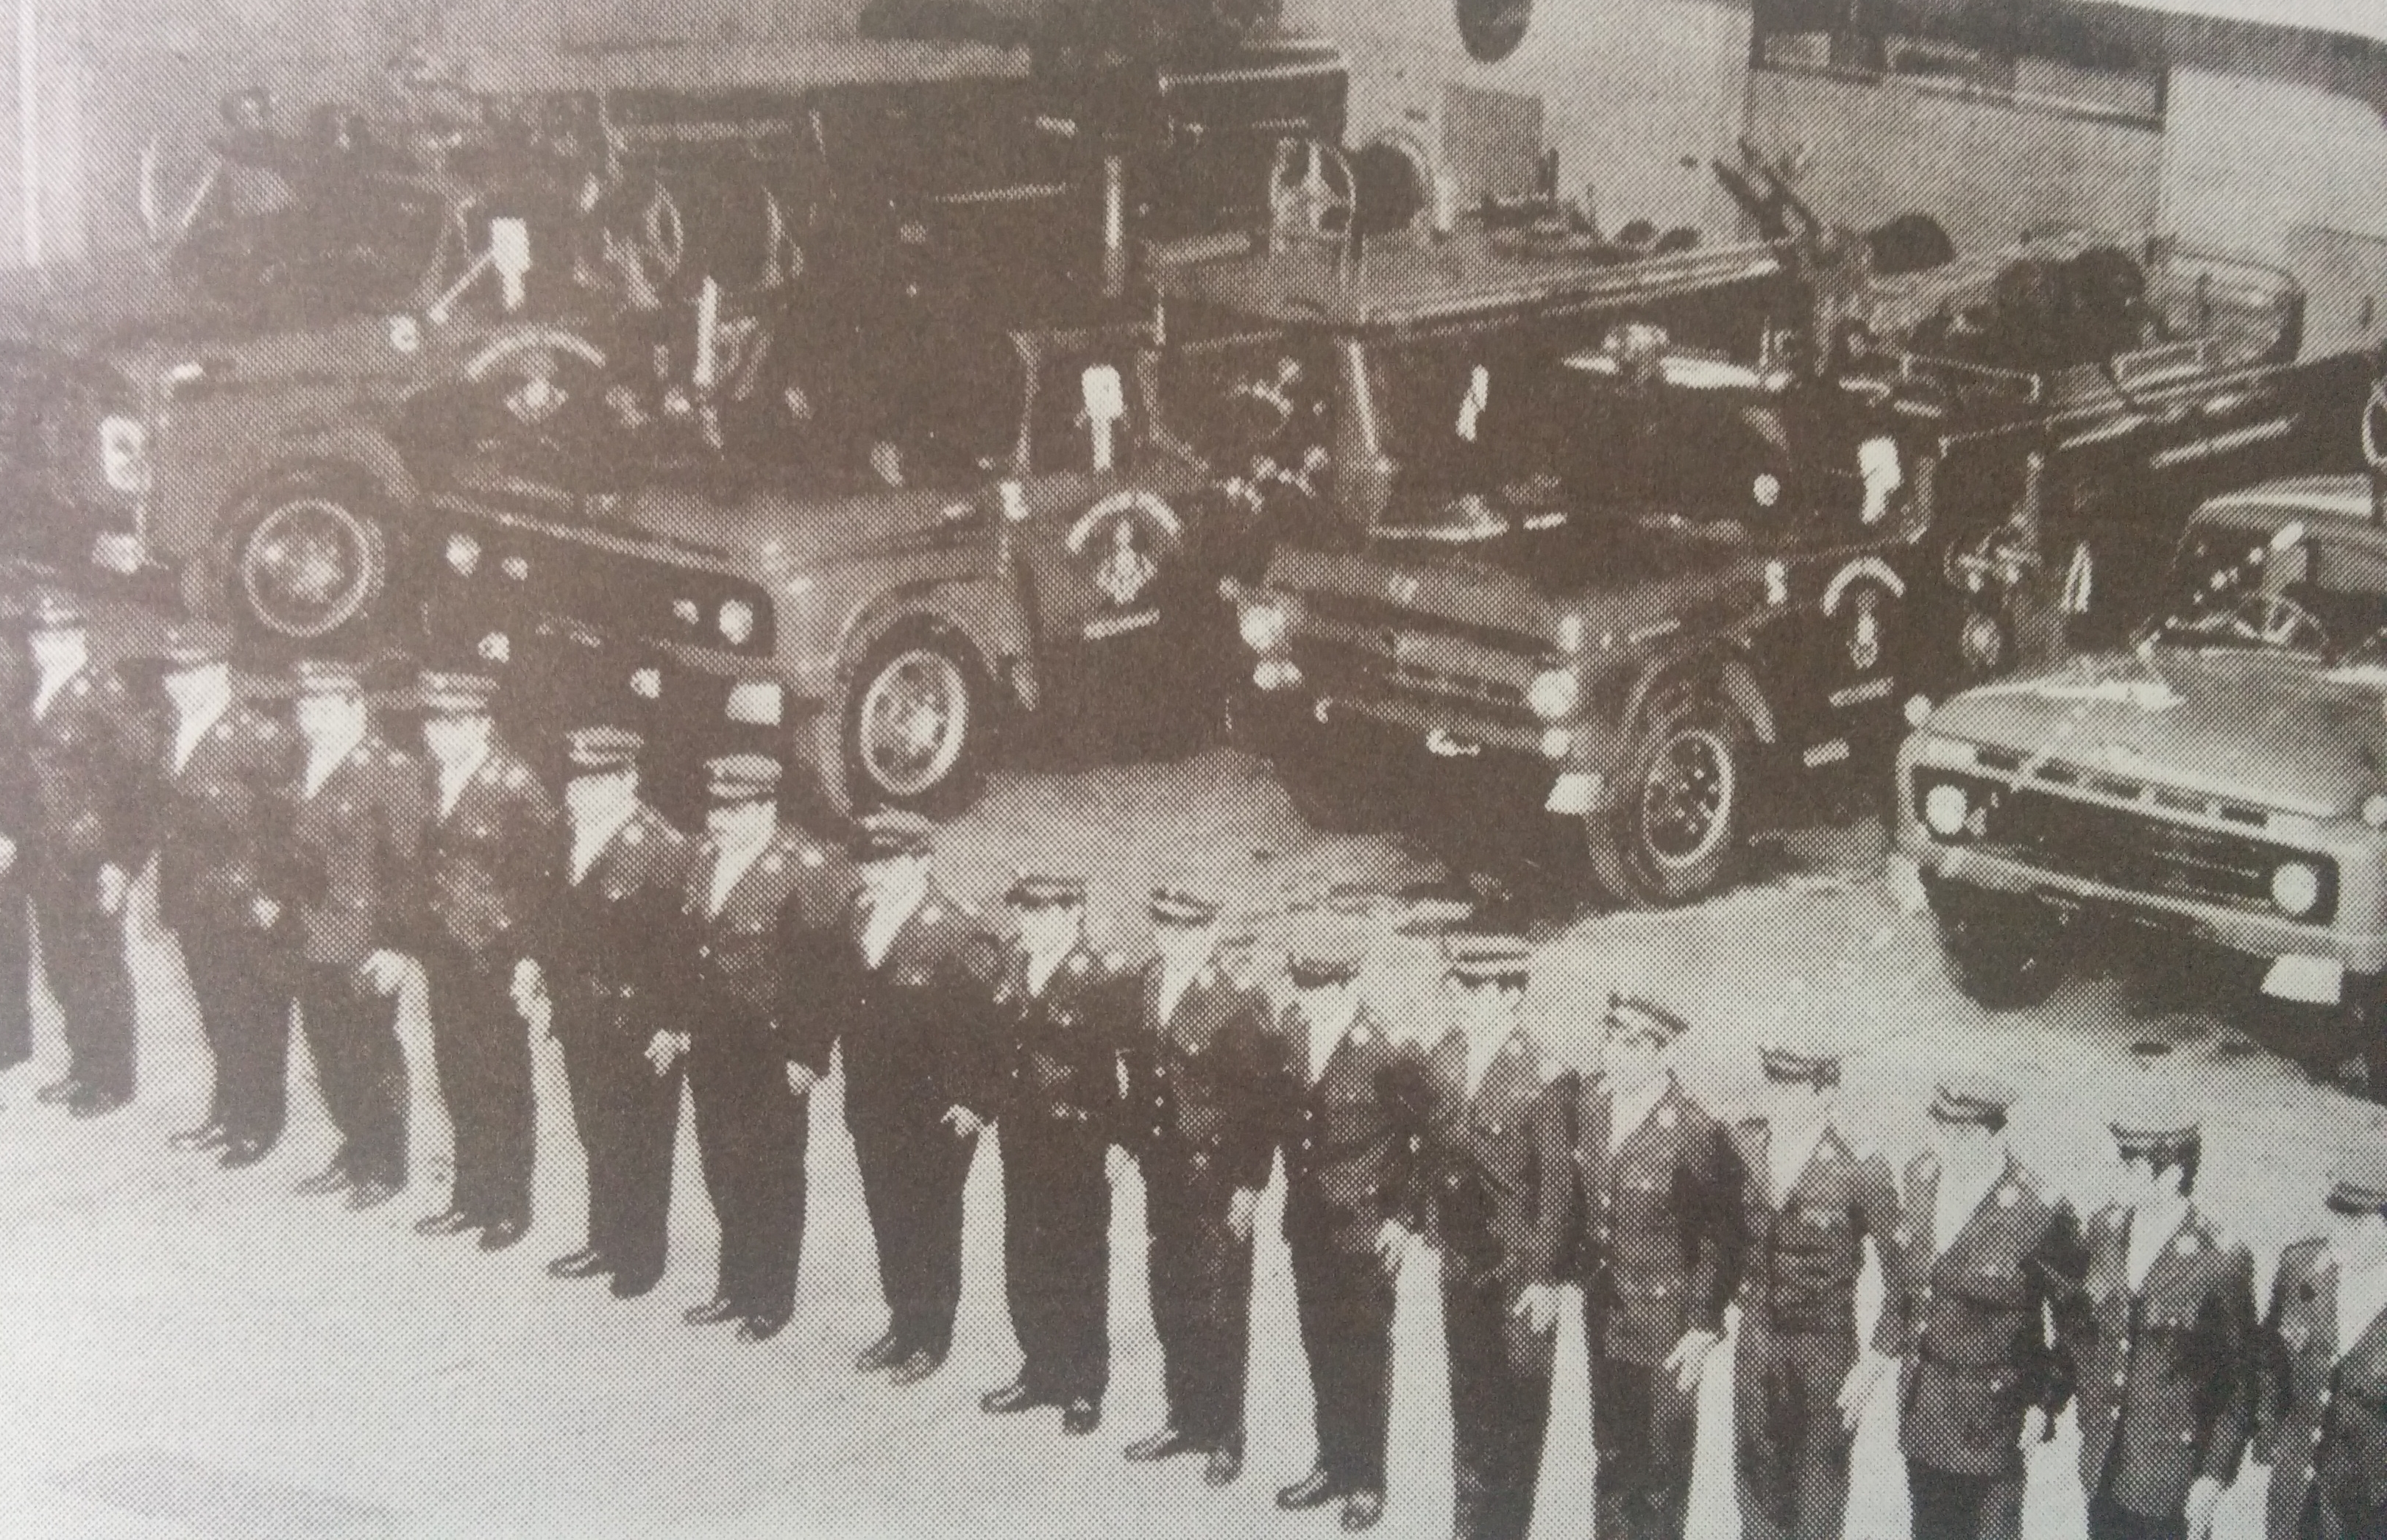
[308, 559]
[914, 724]
[1678, 822]
[2004, 950]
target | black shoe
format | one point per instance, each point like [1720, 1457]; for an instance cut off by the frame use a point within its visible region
[1015, 1396]
[1362, 1509]
[241, 1152]
[762, 1327]
[1081, 1417]
[587, 1262]
[57, 1094]
[627, 1285]
[915, 1366]
[372, 1193]
[198, 1141]
[447, 1221]
[334, 1178]
[91, 1103]
[1226, 1464]
[1160, 1445]
[1314, 1490]
[503, 1233]
[712, 1312]
[886, 1351]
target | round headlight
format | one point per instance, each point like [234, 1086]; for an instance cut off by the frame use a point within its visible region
[2295, 888]
[737, 622]
[1553, 693]
[464, 554]
[1945, 807]
[1263, 626]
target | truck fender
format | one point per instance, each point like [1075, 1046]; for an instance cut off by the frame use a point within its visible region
[348, 452]
[985, 616]
[1729, 676]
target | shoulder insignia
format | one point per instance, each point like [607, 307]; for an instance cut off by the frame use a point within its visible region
[931, 914]
[221, 731]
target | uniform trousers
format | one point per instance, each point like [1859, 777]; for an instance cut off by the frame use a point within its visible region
[1952, 1506]
[1201, 1277]
[1343, 1300]
[1790, 1449]
[245, 1015]
[1642, 1427]
[914, 1167]
[2110, 1521]
[751, 1131]
[352, 1033]
[1056, 1254]
[82, 955]
[627, 1116]
[1499, 1403]
[481, 1048]
[16, 972]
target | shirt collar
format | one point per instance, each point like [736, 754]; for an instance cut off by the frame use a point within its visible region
[194, 726]
[455, 776]
[1630, 1109]
[1792, 1155]
[597, 836]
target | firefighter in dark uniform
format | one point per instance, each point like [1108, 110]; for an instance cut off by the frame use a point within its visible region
[2323, 1427]
[488, 860]
[1199, 1123]
[1496, 1193]
[1659, 1253]
[2169, 1365]
[223, 761]
[756, 898]
[1059, 1022]
[917, 973]
[613, 975]
[1348, 1117]
[1992, 1255]
[86, 750]
[1812, 1201]
[341, 896]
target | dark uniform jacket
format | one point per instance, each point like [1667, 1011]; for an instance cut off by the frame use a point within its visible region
[1659, 1243]
[1496, 1171]
[611, 946]
[1971, 1320]
[1350, 1139]
[2324, 1405]
[2168, 1375]
[914, 1028]
[210, 819]
[1806, 1251]
[79, 781]
[349, 857]
[766, 955]
[1051, 1060]
[490, 862]
[1197, 1082]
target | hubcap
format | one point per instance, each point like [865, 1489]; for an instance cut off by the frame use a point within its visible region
[915, 720]
[1687, 798]
[306, 567]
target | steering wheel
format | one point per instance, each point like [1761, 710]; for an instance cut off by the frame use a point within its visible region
[2276, 620]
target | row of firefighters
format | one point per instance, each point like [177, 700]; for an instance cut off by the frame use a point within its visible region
[303, 860]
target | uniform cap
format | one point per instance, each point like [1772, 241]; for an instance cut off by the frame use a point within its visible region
[1181, 901]
[1045, 891]
[326, 676]
[1322, 954]
[885, 836]
[447, 694]
[195, 644]
[1974, 1099]
[742, 777]
[1629, 1015]
[1787, 1063]
[55, 609]
[2360, 1184]
[600, 750]
[2155, 1126]
[1488, 956]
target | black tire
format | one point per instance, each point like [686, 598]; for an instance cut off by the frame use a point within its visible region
[916, 723]
[306, 560]
[1682, 808]
[2004, 950]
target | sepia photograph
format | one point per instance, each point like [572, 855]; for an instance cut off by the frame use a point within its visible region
[1194, 769]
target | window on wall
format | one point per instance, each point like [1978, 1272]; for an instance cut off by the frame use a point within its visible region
[1492, 29]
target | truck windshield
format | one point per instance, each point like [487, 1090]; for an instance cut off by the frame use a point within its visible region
[2278, 588]
[284, 240]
